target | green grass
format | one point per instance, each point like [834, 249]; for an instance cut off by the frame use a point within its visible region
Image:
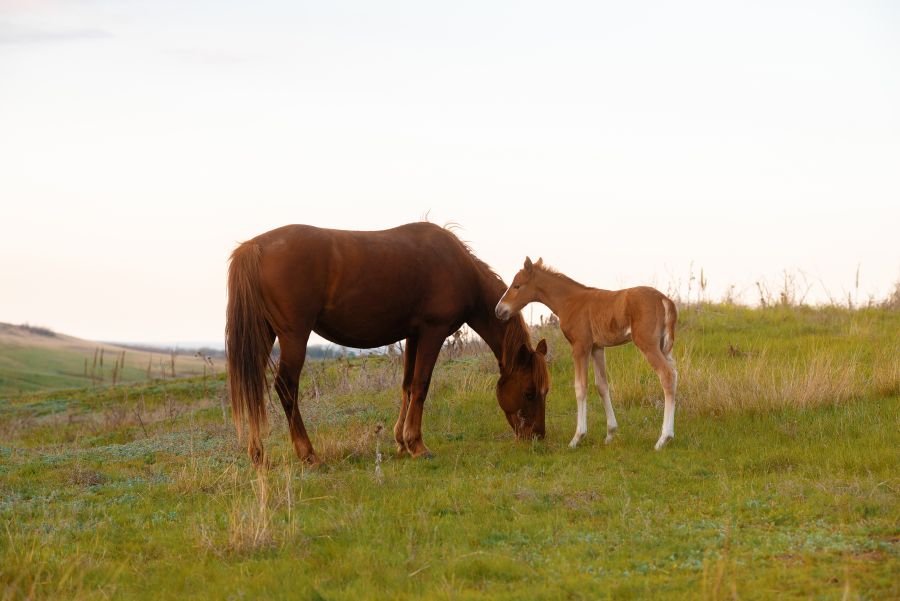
[781, 481]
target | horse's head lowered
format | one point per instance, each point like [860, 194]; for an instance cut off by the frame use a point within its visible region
[522, 388]
[521, 292]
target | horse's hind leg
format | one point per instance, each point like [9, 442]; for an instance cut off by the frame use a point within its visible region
[599, 356]
[409, 365]
[668, 377]
[287, 383]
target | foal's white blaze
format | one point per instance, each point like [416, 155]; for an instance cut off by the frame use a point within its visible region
[501, 306]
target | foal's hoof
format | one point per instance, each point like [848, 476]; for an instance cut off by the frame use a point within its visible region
[663, 440]
[610, 434]
[574, 442]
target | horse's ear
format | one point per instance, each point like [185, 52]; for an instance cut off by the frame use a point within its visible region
[528, 264]
[540, 262]
[541, 347]
[523, 357]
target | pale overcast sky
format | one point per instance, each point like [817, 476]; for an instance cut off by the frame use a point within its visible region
[622, 141]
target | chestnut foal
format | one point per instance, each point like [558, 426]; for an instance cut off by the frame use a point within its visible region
[593, 319]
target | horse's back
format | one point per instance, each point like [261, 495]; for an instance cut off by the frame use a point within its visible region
[366, 288]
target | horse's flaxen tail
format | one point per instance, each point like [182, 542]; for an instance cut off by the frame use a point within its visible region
[671, 317]
[248, 343]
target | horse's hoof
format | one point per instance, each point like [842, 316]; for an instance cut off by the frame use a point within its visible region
[574, 442]
[313, 461]
[401, 449]
[422, 453]
[609, 438]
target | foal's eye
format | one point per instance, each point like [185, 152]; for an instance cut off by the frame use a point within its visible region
[516, 286]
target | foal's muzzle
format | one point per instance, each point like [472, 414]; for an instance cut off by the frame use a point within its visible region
[502, 312]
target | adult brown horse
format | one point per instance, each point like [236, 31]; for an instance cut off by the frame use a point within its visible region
[417, 282]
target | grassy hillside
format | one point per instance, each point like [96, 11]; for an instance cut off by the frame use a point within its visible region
[36, 359]
[782, 480]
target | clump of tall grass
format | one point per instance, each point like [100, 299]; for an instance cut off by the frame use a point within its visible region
[250, 518]
[762, 381]
[257, 513]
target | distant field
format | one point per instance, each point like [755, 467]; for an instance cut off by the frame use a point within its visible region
[33, 359]
[782, 481]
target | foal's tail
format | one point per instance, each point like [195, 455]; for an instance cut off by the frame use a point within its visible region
[248, 343]
[671, 316]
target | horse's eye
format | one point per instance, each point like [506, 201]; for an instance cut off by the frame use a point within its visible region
[530, 396]
[516, 286]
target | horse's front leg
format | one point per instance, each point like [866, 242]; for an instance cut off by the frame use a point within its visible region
[428, 349]
[580, 355]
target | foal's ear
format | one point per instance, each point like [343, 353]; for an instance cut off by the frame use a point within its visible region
[528, 264]
[541, 347]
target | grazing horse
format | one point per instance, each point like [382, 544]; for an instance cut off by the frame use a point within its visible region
[416, 282]
[593, 319]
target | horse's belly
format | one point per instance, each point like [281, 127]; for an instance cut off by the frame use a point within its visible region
[360, 329]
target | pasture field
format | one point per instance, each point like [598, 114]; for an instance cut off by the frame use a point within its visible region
[36, 359]
[782, 480]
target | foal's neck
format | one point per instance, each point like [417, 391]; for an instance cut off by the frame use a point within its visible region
[553, 289]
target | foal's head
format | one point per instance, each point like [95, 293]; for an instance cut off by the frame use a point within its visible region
[521, 292]
[523, 386]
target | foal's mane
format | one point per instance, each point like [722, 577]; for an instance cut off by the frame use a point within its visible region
[556, 273]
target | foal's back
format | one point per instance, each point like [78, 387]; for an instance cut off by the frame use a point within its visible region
[614, 317]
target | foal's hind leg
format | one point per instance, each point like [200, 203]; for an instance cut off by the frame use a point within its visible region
[668, 377]
[409, 365]
[599, 356]
[287, 382]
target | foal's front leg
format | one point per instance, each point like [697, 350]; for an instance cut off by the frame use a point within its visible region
[599, 356]
[580, 356]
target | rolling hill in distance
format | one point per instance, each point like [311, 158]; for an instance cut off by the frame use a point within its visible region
[35, 358]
